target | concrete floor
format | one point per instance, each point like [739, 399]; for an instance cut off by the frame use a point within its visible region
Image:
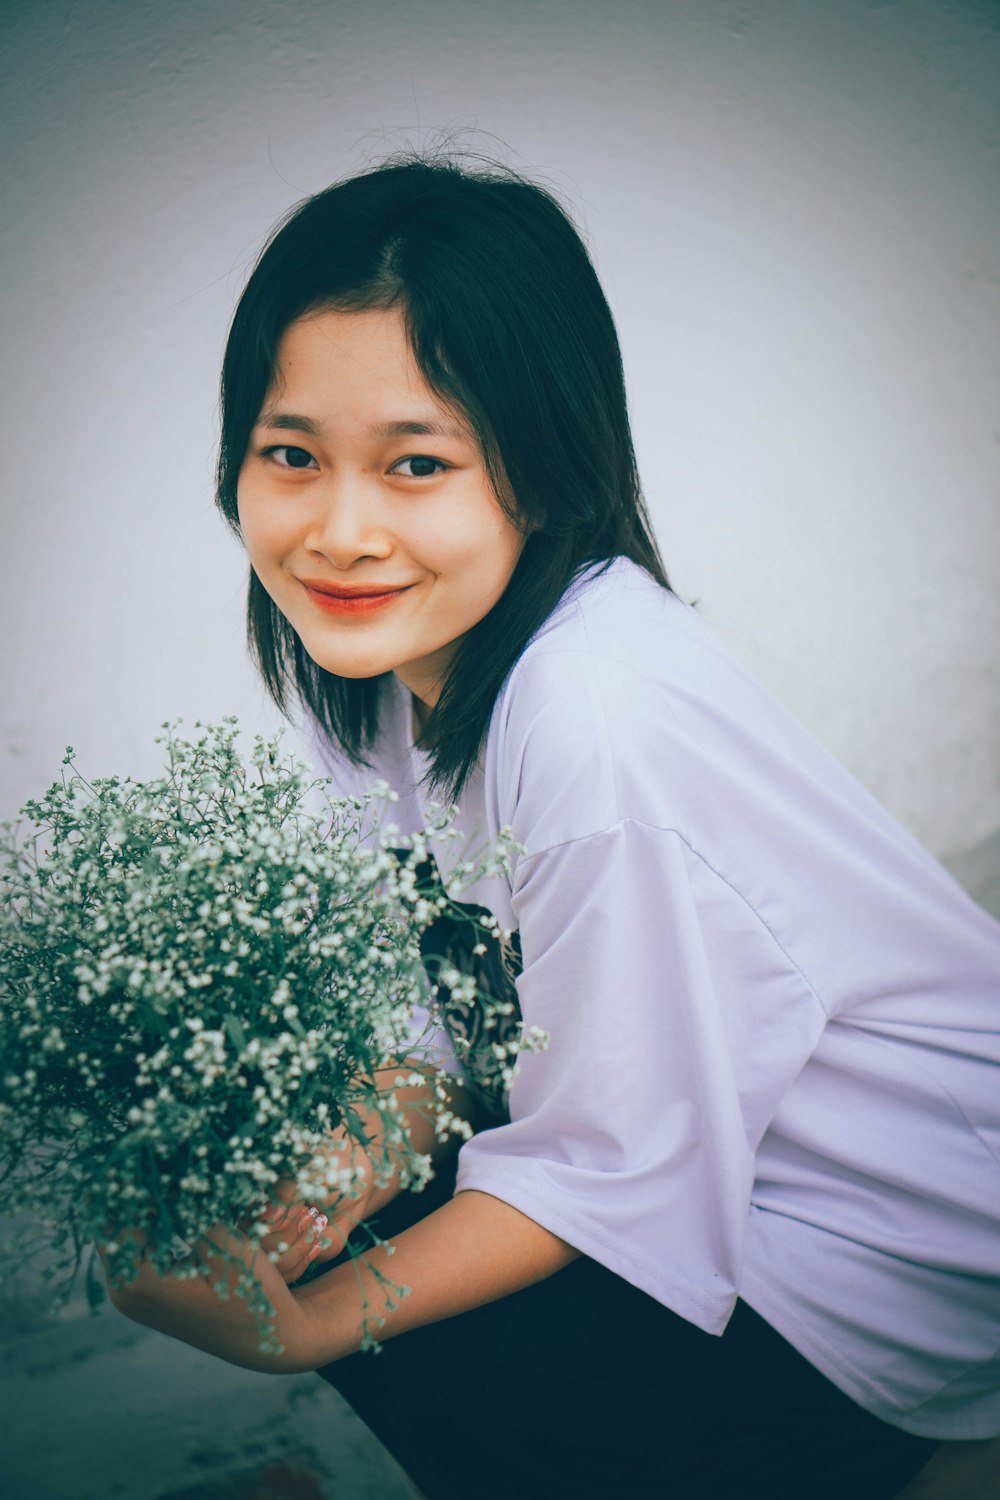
[97, 1408]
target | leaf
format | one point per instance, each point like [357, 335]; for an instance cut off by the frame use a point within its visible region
[355, 1125]
[94, 1284]
[164, 1224]
[237, 1035]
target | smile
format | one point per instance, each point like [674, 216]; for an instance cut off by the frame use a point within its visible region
[360, 604]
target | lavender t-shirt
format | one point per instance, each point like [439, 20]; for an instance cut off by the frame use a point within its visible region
[773, 1064]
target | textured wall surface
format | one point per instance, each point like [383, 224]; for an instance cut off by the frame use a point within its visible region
[794, 206]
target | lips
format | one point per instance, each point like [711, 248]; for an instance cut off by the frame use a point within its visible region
[364, 599]
[355, 591]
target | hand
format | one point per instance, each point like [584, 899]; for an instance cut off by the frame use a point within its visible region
[296, 1226]
[203, 1312]
[295, 1234]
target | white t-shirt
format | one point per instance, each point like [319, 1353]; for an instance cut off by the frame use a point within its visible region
[774, 1017]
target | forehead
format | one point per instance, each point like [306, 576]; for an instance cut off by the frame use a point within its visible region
[355, 366]
[362, 350]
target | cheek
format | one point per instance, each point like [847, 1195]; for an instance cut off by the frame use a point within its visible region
[484, 570]
[471, 539]
[503, 545]
[245, 513]
[261, 526]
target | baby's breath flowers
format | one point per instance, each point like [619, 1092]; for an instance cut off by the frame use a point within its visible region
[200, 976]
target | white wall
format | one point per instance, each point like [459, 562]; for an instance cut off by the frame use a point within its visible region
[794, 207]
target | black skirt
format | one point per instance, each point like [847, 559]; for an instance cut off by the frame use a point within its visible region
[583, 1386]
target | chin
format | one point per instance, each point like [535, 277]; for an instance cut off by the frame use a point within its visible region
[350, 667]
[357, 674]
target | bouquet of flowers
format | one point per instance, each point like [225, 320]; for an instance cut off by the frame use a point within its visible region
[200, 976]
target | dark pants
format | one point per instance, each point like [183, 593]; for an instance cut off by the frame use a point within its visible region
[582, 1386]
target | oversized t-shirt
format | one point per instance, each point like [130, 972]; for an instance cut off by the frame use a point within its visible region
[774, 1018]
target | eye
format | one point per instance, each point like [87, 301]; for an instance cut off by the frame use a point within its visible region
[421, 466]
[295, 458]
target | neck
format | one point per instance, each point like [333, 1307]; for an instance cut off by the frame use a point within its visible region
[421, 712]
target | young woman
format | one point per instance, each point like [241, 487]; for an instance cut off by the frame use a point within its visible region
[736, 1230]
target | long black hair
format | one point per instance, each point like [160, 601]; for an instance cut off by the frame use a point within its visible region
[510, 327]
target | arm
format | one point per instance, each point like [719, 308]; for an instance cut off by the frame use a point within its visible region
[318, 1332]
[416, 1108]
[192, 1311]
[344, 1214]
[414, 1104]
[472, 1250]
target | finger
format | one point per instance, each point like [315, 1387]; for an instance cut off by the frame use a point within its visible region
[282, 1217]
[314, 1239]
[287, 1240]
[295, 1272]
[285, 1193]
[283, 1198]
[268, 1219]
[312, 1224]
[296, 1246]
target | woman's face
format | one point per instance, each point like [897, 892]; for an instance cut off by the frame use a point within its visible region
[356, 477]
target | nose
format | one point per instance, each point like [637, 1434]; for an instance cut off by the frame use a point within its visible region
[347, 523]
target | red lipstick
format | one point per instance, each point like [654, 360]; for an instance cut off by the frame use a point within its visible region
[357, 599]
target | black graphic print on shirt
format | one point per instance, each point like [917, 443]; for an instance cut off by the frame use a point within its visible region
[448, 942]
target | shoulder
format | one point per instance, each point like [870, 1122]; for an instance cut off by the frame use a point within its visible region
[633, 640]
[610, 708]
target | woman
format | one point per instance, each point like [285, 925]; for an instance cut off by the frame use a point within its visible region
[735, 1230]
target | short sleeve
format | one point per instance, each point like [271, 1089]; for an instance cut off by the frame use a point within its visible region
[675, 1023]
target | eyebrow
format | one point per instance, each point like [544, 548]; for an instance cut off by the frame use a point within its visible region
[290, 422]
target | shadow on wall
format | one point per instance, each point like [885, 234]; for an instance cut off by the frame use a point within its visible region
[978, 870]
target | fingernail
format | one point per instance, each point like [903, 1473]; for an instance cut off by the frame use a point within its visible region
[314, 1213]
[313, 1253]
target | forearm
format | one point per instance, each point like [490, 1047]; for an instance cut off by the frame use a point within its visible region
[191, 1310]
[471, 1251]
[419, 1110]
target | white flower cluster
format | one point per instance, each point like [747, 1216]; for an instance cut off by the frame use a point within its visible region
[200, 978]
